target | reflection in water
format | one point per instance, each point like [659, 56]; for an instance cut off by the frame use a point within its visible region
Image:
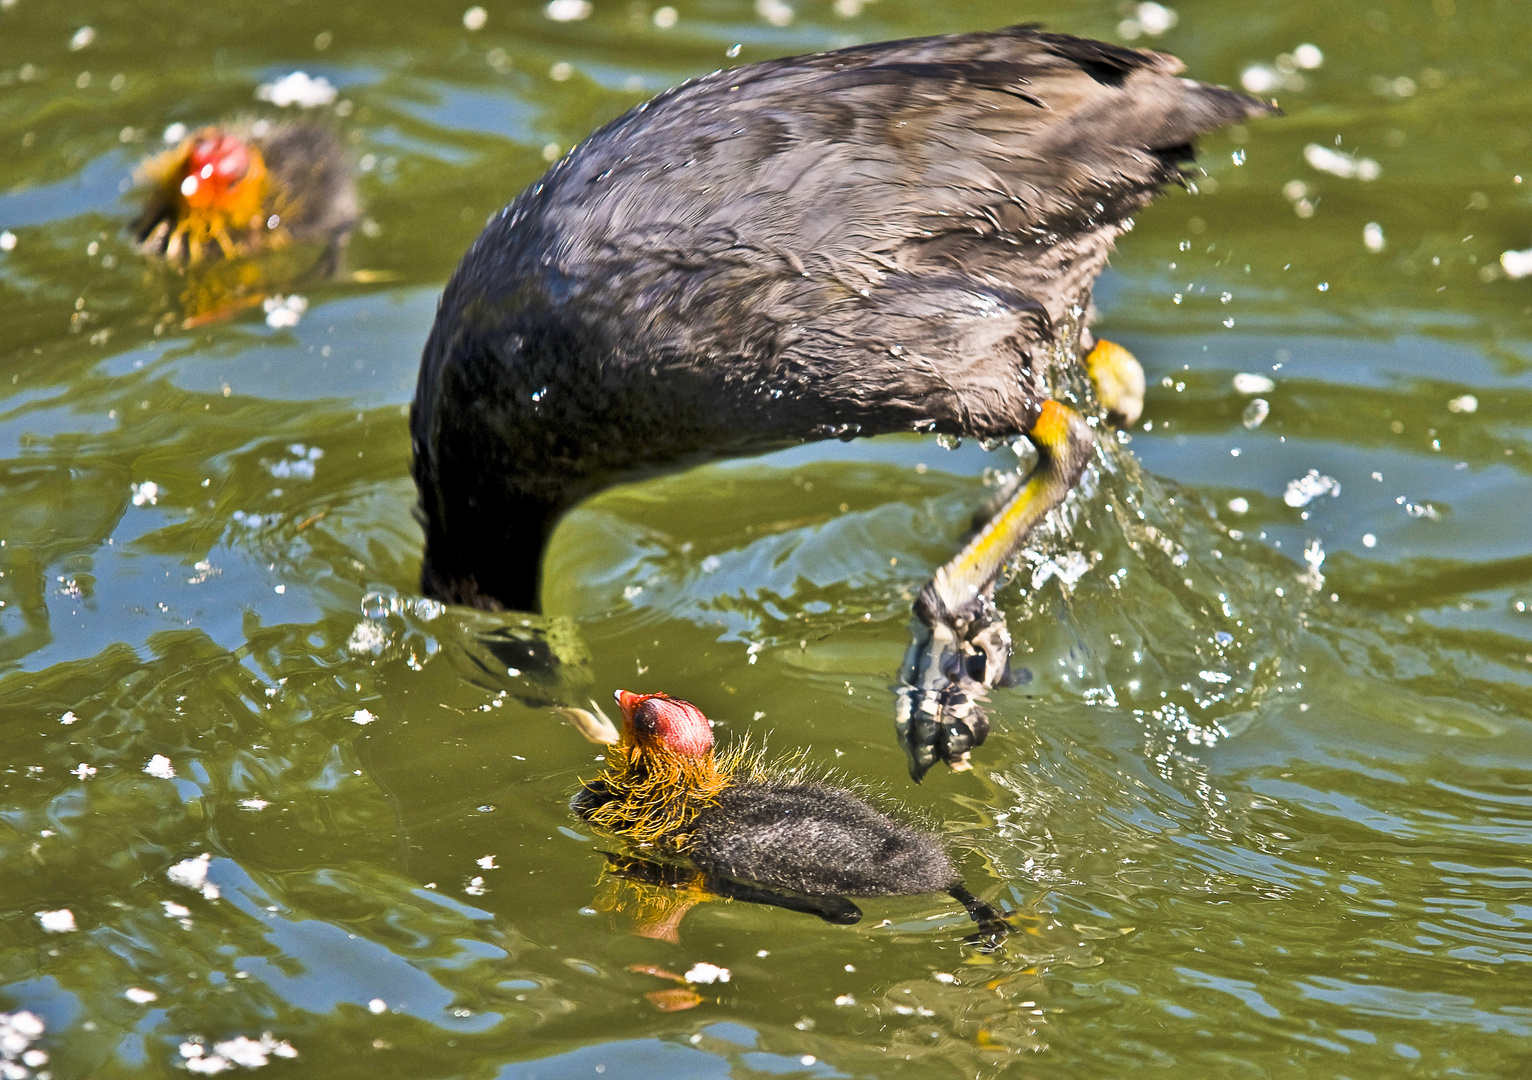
[653, 897]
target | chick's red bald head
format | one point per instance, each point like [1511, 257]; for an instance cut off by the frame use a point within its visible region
[677, 725]
[217, 162]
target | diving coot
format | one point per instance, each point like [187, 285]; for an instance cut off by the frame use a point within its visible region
[233, 190]
[758, 834]
[890, 237]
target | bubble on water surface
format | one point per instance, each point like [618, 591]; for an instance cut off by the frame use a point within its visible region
[284, 312]
[1516, 264]
[368, 637]
[1337, 163]
[1308, 487]
[775, 12]
[301, 469]
[705, 973]
[57, 922]
[1250, 383]
[192, 874]
[297, 88]
[1260, 79]
[568, 10]
[240, 1051]
[18, 1031]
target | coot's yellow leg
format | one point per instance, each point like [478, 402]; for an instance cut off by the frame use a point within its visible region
[961, 645]
[1119, 379]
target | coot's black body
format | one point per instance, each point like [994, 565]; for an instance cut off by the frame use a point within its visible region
[872, 240]
[808, 838]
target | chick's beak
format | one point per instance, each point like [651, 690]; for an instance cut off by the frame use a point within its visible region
[627, 701]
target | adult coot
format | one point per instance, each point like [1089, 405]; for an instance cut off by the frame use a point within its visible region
[757, 833]
[890, 237]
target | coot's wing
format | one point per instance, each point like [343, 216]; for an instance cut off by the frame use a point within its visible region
[933, 155]
[857, 241]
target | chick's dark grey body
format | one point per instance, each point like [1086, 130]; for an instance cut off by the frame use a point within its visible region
[815, 839]
[311, 165]
[859, 242]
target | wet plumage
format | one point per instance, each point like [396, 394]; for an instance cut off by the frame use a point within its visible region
[872, 240]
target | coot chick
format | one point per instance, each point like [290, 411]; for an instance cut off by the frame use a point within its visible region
[234, 190]
[758, 833]
[889, 237]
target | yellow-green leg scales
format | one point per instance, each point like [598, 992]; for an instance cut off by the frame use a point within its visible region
[961, 644]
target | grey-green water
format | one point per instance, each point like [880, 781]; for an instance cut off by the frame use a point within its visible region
[1319, 867]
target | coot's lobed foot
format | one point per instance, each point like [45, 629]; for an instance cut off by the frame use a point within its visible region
[950, 664]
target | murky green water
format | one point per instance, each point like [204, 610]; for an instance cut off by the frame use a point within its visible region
[1301, 849]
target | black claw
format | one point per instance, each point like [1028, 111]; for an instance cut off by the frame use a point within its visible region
[991, 922]
[951, 662]
[942, 725]
[989, 939]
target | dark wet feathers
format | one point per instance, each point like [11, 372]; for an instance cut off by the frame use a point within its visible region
[855, 242]
[311, 166]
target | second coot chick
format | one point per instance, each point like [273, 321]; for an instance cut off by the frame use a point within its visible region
[755, 832]
[236, 189]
